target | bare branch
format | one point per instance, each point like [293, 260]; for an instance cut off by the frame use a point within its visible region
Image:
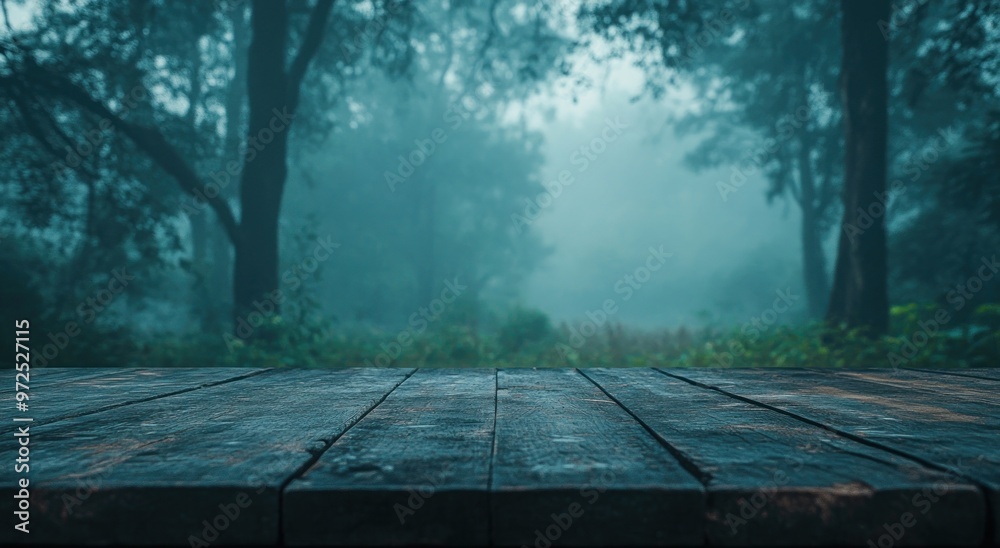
[310, 45]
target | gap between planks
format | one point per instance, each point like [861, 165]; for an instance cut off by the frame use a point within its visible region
[42, 422]
[982, 487]
[317, 454]
[703, 477]
[843, 433]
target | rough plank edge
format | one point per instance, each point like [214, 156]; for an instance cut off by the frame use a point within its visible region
[558, 495]
[154, 397]
[992, 513]
[282, 516]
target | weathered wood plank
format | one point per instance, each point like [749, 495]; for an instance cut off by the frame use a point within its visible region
[944, 387]
[955, 435]
[571, 467]
[159, 471]
[51, 376]
[92, 394]
[165, 470]
[990, 374]
[775, 480]
[413, 471]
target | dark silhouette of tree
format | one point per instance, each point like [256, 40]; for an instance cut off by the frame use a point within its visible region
[859, 297]
[274, 87]
[273, 91]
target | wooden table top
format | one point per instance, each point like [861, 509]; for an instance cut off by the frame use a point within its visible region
[512, 457]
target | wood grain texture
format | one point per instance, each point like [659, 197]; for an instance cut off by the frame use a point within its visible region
[51, 376]
[943, 388]
[988, 374]
[955, 435]
[84, 394]
[157, 472]
[573, 468]
[477, 457]
[414, 471]
[775, 480]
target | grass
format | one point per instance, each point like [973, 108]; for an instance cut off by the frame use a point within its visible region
[528, 339]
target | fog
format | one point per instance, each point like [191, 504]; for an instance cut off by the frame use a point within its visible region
[638, 194]
[629, 195]
[478, 182]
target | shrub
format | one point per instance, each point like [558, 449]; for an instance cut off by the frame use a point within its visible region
[525, 330]
[527, 338]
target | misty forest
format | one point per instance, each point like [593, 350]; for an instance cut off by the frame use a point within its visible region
[502, 183]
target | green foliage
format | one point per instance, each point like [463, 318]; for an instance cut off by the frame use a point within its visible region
[916, 340]
[527, 339]
[524, 330]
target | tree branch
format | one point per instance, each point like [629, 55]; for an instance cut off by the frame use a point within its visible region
[310, 45]
[148, 139]
[33, 125]
[491, 33]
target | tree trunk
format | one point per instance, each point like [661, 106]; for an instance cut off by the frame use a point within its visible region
[202, 297]
[273, 97]
[859, 298]
[814, 264]
[255, 276]
[813, 261]
[220, 280]
[273, 93]
[427, 282]
[204, 300]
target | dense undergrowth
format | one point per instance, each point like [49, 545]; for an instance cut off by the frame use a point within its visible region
[527, 338]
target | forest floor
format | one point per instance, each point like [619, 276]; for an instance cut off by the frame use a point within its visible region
[918, 339]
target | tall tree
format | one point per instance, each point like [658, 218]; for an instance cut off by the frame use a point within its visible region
[273, 90]
[274, 87]
[766, 83]
[220, 277]
[779, 117]
[859, 297]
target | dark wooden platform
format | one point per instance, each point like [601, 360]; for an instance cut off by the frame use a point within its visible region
[510, 457]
